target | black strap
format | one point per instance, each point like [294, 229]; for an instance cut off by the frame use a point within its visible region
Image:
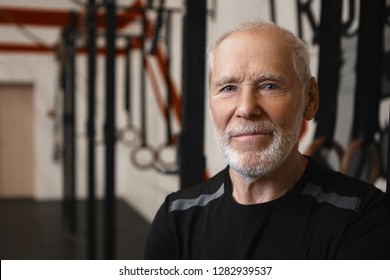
[143, 84]
[305, 8]
[369, 69]
[329, 68]
[127, 91]
[168, 80]
[157, 26]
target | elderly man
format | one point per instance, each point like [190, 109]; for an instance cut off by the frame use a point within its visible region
[270, 202]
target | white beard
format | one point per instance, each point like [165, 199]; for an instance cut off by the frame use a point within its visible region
[259, 163]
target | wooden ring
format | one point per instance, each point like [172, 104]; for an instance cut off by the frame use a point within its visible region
[129, 135]
[142, 164]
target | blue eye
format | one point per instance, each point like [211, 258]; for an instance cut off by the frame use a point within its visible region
[270, 86]
[229, 88]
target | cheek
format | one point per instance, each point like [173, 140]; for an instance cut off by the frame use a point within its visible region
[287, 116]
[220, 115]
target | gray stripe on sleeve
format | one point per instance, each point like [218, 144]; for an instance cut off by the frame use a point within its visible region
[345, 202]
[202, 200]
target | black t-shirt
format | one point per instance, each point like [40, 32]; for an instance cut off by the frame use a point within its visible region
[326, 215]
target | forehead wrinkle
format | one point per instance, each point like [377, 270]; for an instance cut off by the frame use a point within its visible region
[256, 77]
[229, 79]
[251, 77]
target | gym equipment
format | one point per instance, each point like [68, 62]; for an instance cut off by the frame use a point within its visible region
[191, 141]
[362, 157]
[128, 135]
[69, 105]
[164, 165]
[110, 133]
[302, 9]
[330, 32]
[91, 243]
[157, 26]
[351, 17]
[56, 113]
[143, 156]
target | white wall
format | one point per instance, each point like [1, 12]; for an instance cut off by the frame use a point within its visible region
[144, 190]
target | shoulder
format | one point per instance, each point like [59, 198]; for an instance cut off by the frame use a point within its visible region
[205, 187]
[198, 195]
[340, 189]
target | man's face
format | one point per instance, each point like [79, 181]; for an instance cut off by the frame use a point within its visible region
[256, 102]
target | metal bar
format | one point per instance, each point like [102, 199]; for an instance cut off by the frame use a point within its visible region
[110, 217]
[59, 18]
[69, 34]
[65, 179]
[72, 99]
[91, 68]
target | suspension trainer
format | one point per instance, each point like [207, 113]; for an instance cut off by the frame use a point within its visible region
[330, 32]
[143, 156]
[58, 145]
[306, 9]
[69, 105]
[348, 23]
[157, 26]
[167, 166]
[129, 135]
[272, 10]
[362, 158]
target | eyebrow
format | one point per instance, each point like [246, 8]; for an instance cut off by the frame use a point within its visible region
[271, 77]
[228, 80]
[263, 77]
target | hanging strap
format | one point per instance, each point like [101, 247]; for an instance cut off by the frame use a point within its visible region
[127, 91]
[369, 69]
[329, 69]
[143, 156]
[129, 134]
[362, 158]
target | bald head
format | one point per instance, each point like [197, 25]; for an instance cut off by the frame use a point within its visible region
[299, 53]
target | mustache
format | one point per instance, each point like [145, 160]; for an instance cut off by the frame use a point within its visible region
[264, 127]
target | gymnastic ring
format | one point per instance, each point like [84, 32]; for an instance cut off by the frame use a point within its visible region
[160, 159]
[149, 163]
[128, 135]
[374, 159]
[318, 144]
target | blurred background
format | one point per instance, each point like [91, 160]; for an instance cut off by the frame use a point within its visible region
[104, 110]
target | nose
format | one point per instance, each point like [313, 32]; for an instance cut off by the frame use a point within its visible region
[248, 104]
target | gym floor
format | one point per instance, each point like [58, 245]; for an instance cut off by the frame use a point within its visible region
[35, 230]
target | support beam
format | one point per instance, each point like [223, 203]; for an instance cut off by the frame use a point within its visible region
[109, 205]
[69, 57]
[59, 18]
[91, 68]
[191, 146]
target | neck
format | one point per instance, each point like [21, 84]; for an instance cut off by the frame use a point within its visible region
[260, 190]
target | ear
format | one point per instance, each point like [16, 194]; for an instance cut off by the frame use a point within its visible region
[312, 99]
